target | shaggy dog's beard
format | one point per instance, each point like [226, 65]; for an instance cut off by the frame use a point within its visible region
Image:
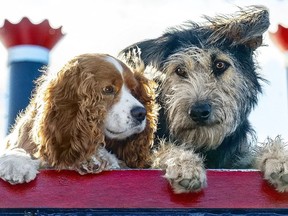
[222, 122]
[227, 94]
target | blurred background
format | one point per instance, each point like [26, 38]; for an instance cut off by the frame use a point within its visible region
[111, 25]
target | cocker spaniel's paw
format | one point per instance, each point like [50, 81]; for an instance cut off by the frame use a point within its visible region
[17, 167]
[186, 173]
[102, 160]
[276, 173]
[91, 166]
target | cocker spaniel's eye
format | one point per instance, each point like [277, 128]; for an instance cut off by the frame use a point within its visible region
[220, 67]
[108, 90]
[181, 72]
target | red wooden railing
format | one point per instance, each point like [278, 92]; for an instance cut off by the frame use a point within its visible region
[140, 189]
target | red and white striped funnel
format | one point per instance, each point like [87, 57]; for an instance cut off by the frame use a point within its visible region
[28, 46]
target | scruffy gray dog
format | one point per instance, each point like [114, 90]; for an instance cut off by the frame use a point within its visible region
[208, 85]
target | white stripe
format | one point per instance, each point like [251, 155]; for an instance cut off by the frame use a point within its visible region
[30, 53]
[286, 58]
[115, 63]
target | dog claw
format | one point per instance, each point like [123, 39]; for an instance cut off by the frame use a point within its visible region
[188, 185]
[92, 167]
[191, 184]
[274, 175]
[185, 183]
[197, 186]
[284, 178]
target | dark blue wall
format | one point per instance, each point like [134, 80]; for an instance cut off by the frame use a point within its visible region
[21, 85]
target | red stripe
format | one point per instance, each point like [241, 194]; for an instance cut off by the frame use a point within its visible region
[280, 38]
[26, 32]
[139, 189]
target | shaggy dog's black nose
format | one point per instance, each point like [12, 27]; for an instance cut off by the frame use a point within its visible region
[200, 112]
[138, 113]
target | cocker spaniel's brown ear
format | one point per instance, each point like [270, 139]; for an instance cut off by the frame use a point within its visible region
[136, 150]
[70, 115]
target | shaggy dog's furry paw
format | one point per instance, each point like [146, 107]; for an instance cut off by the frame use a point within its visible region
[102, 160]
[272, 160]
[184, 169]
[276, 172]
[18, 167]
[186, 173]
[185, 176]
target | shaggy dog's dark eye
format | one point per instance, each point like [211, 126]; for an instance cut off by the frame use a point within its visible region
[181, 72]
[108, 90]
[219, 67]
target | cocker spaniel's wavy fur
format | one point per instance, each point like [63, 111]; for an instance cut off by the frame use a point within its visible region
[63, 126]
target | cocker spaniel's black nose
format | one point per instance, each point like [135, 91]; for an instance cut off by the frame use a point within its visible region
[138, 113]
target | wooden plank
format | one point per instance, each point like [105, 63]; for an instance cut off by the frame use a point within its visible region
[140, 189]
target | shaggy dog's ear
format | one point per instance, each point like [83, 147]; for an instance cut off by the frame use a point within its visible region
[245, 27]
[69, 120]
[154, 51]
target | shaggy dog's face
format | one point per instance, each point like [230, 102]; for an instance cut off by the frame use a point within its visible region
[205, 92]
[207, 76]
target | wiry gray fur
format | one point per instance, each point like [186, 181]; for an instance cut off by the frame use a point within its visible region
[219, 135]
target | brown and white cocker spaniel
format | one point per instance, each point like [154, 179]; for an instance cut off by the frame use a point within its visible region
[94, 114]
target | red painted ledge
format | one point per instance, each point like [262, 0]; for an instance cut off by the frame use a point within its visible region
[130, 189]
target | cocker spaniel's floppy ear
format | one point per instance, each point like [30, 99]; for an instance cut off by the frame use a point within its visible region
[136, 150]
[71, 113]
